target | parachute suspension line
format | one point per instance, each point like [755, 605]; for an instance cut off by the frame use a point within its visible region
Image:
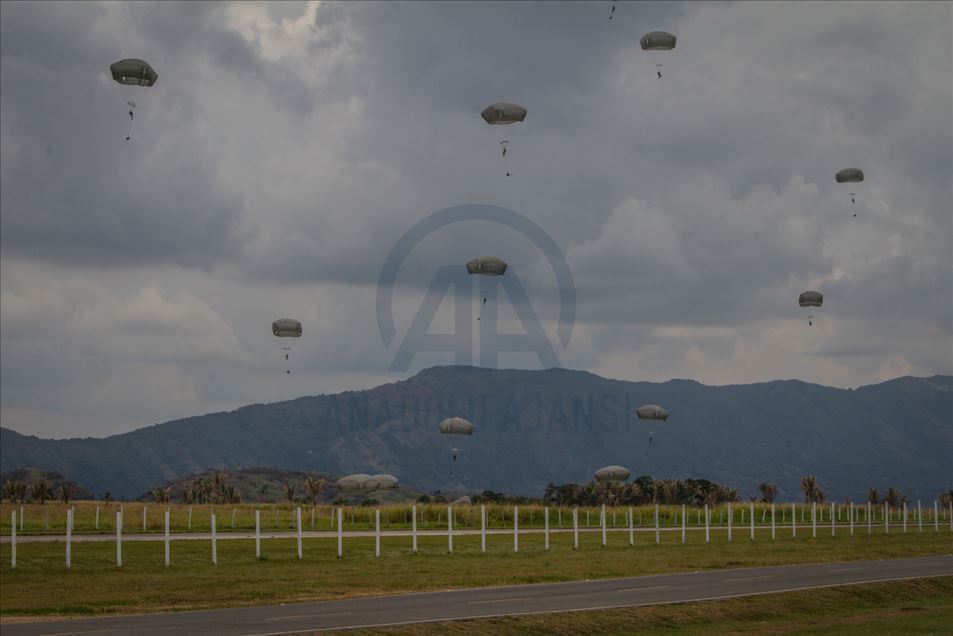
[853, 204]
[658, 70]
[132, 117]
[612, 10]
[506, 162]
[810, 321]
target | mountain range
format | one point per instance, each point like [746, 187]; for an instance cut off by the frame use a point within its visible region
[536, 427]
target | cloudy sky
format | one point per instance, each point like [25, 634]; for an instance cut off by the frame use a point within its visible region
[286, 147]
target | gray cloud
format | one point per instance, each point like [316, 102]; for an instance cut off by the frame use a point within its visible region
[287, 146]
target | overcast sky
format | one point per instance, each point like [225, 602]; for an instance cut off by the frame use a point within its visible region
[286, 147]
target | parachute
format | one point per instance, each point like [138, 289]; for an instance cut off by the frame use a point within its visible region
[658, 41]
[502, 114]
[133, 72]
[612, 473]
[352, 483]
[612, 10]
[651, 412]
[850, 175]
[455, 426]
[810, 299]
[486, 266]
[286, 328]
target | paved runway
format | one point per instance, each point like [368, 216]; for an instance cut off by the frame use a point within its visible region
[500, 601]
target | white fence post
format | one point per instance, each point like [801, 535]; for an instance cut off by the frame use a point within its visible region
[119, 538]
[341, 534]
[166, 515]
[833, 525]
[772, 521]
[602, 522]
[69, 538]
[936, 516]
[377, 532]
[919, 517]
[657, 535]
[257, 535]
[190, 518]
[851, 511]
[298, 523]
[870, 520]
[97, 517]
[631, 528]
[813, 519]
[707, 525]
[483, 528]
[546, 527]
[13, 539]
[575, 528]
[449, 529]
[905, 517]
[413, 527]
[214, 538]
[730, 519]
[21, 519]
[143, 517]
[886, 518]
[683, 523]
[516, 529]
[751, 514]
[793, 520]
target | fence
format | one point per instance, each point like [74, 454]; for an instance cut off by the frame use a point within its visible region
[522, 520]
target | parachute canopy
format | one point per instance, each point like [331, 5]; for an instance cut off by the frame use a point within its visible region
[502, 113]
[849, 175]
[456, 426]
[133, 72]
[361, 482]
[657, 41]
[651, 412]
[810, 299]
[612, 473]
[352, 483]
[286, 328]
[380, 482]
[487, 266]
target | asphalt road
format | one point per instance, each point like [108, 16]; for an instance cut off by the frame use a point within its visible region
[500, 601]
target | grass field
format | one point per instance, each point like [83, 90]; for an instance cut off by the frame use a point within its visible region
[922, 606]
[41, 585]
[51, 517]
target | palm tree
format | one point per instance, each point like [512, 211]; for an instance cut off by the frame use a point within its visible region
[160, 494]
[290, 492]
[812, 490]
[107, 497]
[65, 493]
[768, 492]
[873, 496]
[10, 490]
[893, 497]
[42, 491]
[315, 486]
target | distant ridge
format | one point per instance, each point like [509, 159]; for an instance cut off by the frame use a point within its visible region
[534, 427]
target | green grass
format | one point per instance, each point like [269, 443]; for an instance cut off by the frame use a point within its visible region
[51, 517]
[41, 585]
[923, 606]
